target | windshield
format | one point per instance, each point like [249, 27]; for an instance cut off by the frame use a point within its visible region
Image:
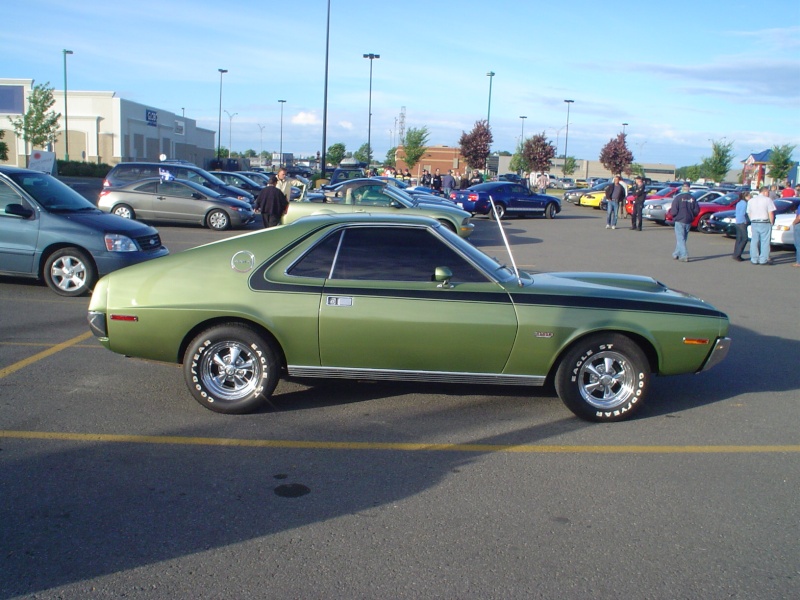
[50, 193]
[399, 195]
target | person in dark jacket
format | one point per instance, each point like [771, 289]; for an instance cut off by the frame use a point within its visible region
[683, 211]
[272, 204]
[639, 196]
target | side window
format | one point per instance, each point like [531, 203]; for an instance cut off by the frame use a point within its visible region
[151, 187]
[318, 261]
[9, 196]
[398, 254]
[371, 195]
[171, 188]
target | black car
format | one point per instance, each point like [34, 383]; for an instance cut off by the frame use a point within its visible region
[128, 172]
[574, 194]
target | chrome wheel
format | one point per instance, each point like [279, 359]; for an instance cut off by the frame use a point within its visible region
[124, 211]
[606, 380]
[230, 370]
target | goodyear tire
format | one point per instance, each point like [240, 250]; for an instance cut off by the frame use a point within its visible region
[603, 377]
[69, 272]
[231, 369]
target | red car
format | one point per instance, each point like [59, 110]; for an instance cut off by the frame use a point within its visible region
[708, 208]
[666, 192]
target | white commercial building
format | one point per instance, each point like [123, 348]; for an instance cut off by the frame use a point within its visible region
[106, 129]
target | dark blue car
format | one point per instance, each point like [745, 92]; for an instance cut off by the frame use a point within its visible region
[49, 231]
[509, 199]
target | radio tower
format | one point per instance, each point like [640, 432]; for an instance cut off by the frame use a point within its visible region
[401, 126]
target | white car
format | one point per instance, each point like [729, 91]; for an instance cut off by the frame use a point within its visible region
[782, 234]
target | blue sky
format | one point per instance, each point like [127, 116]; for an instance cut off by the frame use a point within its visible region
[679, 73]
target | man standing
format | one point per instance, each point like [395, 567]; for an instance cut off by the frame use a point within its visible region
[532, 181]
[683, 211]
[741, 226]
[615, 193]
[436, 183]
[639, 195]
[272, 204]
[285, 185]
[761, 210]
[542, 182]
[448, 183]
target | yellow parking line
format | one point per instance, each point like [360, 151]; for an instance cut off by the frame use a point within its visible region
[44, 354]
[399, 446]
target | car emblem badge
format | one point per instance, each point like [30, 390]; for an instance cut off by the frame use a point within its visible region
[543, 334]
[243, 261]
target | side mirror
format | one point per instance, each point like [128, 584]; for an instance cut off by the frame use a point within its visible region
[18, 210]
[443, 275]
[197, 196]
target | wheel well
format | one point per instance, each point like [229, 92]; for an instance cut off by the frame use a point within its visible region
[643, 343]
[47, 252]
[200, 327]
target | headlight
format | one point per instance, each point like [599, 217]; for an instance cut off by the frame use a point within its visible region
[656, 207]
[781, 228]
[120, 243]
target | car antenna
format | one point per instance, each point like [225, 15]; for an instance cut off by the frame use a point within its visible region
[505, 240]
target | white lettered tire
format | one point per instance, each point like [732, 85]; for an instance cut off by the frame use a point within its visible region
[231, 369]
[603, 377]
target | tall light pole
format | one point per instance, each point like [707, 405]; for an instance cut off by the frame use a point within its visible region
[261, 153]
[323, 158]
[280, 160]
[66, 120]
[230, 131]
[624, 125]
[219, 126]
[371, 58]
[490, 75]
[522, 133]
[566, 140]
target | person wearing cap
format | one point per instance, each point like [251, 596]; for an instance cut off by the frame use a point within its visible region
[683, 211]
[639, 195]
[761, 211]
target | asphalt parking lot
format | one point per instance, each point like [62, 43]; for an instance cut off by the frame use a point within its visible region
[115, 482]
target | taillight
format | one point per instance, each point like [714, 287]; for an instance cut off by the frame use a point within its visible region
[104, 193]
[473, 197]
[106, 183]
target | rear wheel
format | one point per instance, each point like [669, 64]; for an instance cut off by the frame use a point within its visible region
[702, 224]
[231, 369]
[603, 377]
[500, 209]
[124, 211]
[69, 272]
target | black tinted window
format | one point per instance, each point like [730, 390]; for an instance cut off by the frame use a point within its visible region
[318, 261]
[398, 254]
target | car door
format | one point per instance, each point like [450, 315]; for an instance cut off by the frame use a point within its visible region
[18, 235]
[175, 201]
[381, 308]
[523, 201]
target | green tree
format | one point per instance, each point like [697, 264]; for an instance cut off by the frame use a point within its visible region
[336, 153]
[475, 145]
[416, 145]
[615, 155]
[780, 162]
[716, 166]
[539, 152]
[637, 169]
[3, 147]
[391, 160]
[250, 154]
[570, 166]
[518, 163]
[361, 155]
[37, 126]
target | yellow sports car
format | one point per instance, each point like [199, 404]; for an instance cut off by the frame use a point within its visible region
[594, 199]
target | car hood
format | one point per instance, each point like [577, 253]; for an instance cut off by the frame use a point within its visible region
[108, 223]
[615, 290]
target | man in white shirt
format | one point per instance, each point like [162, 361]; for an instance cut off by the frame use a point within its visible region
[761, 210]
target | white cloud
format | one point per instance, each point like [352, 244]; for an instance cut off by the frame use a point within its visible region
[346, 125]
[306, 118]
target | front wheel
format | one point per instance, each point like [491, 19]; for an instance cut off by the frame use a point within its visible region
[550, 211]
[69, 272]
[603, 377]
[218, 220]
[231, 369]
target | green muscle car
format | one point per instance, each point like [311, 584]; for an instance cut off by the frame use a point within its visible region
[378, 198]
[398, 297]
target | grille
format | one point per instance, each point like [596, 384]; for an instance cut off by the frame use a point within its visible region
[149, 242]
